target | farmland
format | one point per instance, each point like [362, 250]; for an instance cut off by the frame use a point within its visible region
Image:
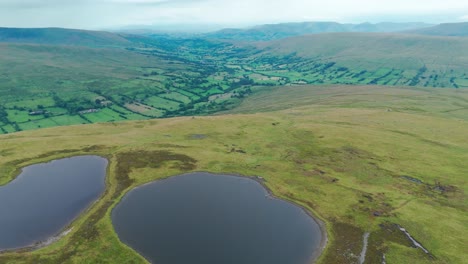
[106, 86]
[44, 85]
[365, 131]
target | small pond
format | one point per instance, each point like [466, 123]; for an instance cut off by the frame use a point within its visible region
[203, 218]
[46, 197]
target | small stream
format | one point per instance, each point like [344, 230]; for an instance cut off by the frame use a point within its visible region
[415, 243]
[362, 257]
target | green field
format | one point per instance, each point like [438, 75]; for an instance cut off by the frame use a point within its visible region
[41, 83]
[366, 131]
[361, 158]
[165, 77]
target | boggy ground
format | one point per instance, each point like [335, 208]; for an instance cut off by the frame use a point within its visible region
[347, 154]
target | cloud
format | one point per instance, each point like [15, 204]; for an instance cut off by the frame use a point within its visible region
[28, 4]
[106, 13]
[463, 18]
[152, 2]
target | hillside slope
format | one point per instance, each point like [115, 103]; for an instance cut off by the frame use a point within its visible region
[371, 58]
[374, 47]
[62, 36]
[50, 85]
[365, 159]
[447, 29]
[284, 30]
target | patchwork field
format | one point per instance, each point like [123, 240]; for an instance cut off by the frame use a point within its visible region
[166, 77]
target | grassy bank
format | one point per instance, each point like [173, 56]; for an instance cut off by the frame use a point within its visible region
[363, 159]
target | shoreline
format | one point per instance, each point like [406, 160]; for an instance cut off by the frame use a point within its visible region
[40, 244]
[320, 222]
[69, 226]
[260, 180]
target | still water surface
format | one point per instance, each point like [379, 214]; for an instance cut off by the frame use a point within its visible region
[202, 218]
[46, 197]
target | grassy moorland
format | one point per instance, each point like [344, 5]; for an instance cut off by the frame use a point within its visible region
[373, 58]
[361, 158]
[105, 77]
[446, 29]
[63, 36]
[283, 30]
[44, 86]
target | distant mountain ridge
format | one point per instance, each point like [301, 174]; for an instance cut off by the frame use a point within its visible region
[284, 30]
[62, 36]
[446, 29]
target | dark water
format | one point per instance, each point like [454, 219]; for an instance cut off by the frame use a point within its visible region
[45, 197]
[202, 218]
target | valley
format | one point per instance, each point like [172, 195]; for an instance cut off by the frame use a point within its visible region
[364, 131]
[164, 77]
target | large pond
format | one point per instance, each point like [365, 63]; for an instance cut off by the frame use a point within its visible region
[46, 197]
[202, 218]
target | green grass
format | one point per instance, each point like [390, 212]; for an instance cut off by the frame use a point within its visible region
[177, 97]
[31, 103]
[339, 151]
[169, 75]
[104, 115]
[8, 129]
[159, 102]
[67, 120]
[43, 123]
[69, 79]
[22, 116]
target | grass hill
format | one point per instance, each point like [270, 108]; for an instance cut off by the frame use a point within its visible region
[447, 29]
[62, 36]
[371, 58]
[54, 85]
[284, 30]
[388, 48]
[43, 85]
[365, 159]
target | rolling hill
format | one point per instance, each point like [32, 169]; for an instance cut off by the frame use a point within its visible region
[393, 50]
[284, 30]
[447, 29]
[62, 36]
[76, 82]
[372, 58]
[365, 159]
[368, 159]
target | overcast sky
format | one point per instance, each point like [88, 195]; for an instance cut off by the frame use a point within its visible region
[98, 14]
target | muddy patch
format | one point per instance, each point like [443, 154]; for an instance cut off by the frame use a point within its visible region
[374, 205]
[347, 246]
[148, 159]
[352, 245]
[379, 241]
[197, 136]
[411, 179]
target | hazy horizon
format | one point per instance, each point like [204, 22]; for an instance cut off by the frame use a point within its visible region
[216, 14]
